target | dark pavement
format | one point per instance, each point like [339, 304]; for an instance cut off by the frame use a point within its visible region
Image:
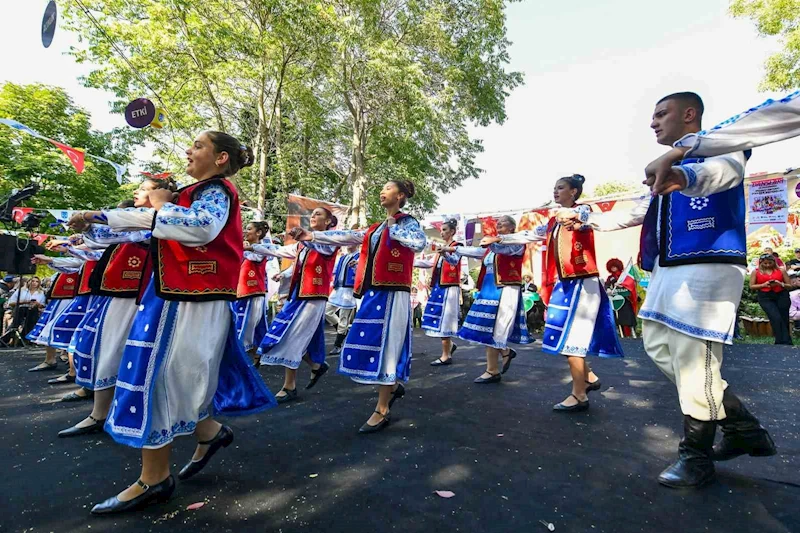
[510, 460]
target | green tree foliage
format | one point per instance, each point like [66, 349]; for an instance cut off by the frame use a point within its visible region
[335, 97]
[25, 159]
[615, 187]
[779, 18]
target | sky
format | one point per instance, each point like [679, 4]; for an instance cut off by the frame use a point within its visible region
[593, 72]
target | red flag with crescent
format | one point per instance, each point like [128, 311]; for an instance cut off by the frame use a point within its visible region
[18, 213]
[606, 206]
[75, 155]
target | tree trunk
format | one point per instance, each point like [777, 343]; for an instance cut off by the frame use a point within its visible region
[263, 149]
[358, 211]
[278, 139]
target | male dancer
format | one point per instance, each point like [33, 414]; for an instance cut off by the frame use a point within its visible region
[693, 241]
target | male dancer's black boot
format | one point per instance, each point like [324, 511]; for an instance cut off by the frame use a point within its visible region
[694, 466]
[741, 432]
[337, 344]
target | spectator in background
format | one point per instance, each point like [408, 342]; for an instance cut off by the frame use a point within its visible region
[416, 308]
[794, 309]
[772, 282]
[774, 254]
[467, 288]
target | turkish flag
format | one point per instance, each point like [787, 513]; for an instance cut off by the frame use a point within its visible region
[161, 176]
[606, 206]
[75, 155]
[41, 238]
[18, 213]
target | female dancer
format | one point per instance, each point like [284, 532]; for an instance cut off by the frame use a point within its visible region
[297, 332]
[105, 327]
[62, 292]
[497, 315]
[182, 360]
[580, 319]
[250, 306]
[341, 300]
[377, 350]
[440, 318]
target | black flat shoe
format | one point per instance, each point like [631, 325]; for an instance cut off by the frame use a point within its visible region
[290, 395]
[511, 355]
[366, 428]
[336, 350]
[580, 406]
[593, 386]
[398, 393]
[157, 493]
[495, 378]
[60, 380]
[439, 362]
[44, 366]
[223, 439]
[453, 348]
[75, 397]
[316, 374]
[75, 431]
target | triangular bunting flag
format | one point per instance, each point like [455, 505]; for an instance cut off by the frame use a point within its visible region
[18, 213]
[606, 206]
[75, 155]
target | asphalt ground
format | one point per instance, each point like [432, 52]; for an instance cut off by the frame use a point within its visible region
[512, 463]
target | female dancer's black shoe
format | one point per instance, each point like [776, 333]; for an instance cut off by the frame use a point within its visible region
[288, 397]
[366, 428]
[511, 355]
[316, 374]
[157, 493]
[75, 431]
[494, 378]
[223, 439]
[593, 386]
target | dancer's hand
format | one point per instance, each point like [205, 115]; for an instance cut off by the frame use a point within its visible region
[569, 219]
[159, 197]
[300, 234]
[390, 221]
[39, 259]
[57, 246]
[487, 241]
[277, 277]
[77, 222]
[76, 240]
[248, 247]
[662, 177]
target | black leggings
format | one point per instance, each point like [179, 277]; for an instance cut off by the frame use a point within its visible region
[776, 305]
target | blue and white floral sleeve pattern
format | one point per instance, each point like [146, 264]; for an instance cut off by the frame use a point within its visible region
[524, 237]
[130, 219]
[86, 255]
[408, 233]
[339, 237]
[273, 250]
[713, 175]
[254, 257]
[66, 265]
[198, 224]
[98, 236]
[508, 249]
[324, 249]
[476, 252]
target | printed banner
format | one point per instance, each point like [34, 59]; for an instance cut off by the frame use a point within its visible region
[768, 205]
[299, 209]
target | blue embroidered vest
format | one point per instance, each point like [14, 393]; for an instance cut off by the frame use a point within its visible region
[349, 278]
[695, 230]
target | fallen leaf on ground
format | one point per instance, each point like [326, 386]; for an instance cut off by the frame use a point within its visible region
[444, 493]
[195, 506]
[313, 475]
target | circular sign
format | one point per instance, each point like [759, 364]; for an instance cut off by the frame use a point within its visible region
[140, 113]
[49, 23]
[797, 190]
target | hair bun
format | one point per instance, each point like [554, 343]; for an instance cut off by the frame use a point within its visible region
[411, 189]
[578, 178]
[246, 157]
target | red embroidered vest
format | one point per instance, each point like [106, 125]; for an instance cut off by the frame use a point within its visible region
[569, 255]
[252, 278]
[507, 270]
[389, 266]
[202, 273]
[84, 287]
[64, 287]
[449, 275]
[313, 276]
[120, 271]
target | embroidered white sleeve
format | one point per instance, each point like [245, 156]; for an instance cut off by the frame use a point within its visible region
[475, 252]
[86, 255]
[507, 249]
[256, 258]
[273, 250]
[133, 218]
[198, 224]
[523, 237]
[324, 249]
[408, 233]
[715, 174]
[339, 237]
[100, 236]
[66, 265]
[423, 262]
